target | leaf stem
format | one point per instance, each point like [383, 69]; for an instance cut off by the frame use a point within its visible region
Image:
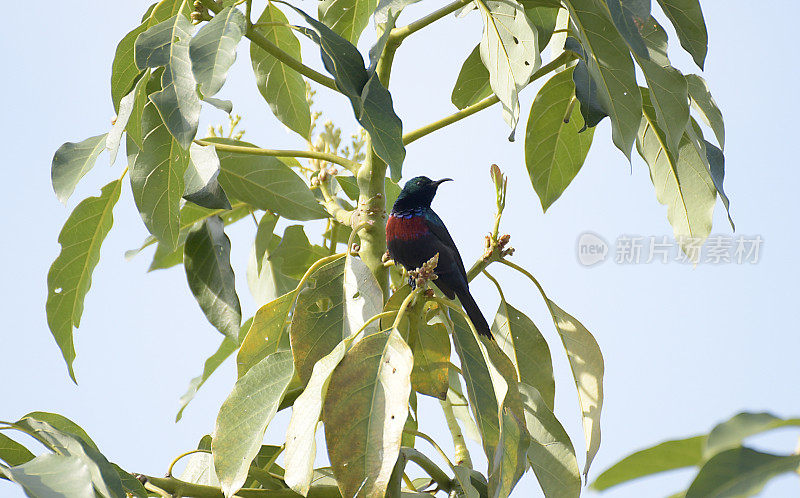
[179, 457]
[310, 154]
[277, 52]
[426, 464]
[412, 136]
[406, 303]
[434, 444]
[176, 487]
[461, 453]
[496, 284]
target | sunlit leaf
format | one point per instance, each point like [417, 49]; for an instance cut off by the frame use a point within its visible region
[127, 106]
[295, 254]
[52, 476]
[363, 297]
[63, 424]
[705, 104]
[213, 49]
[244, 416]
[586, 362]
[430, 343]
[472, 84]
[347, 18]
[70, 275]
[12, 452]
[264, 336]
[510, 458]
[73, 160]
[365, 410]
[732, 432]
[510, 52]
[550, 454]
[555, 147]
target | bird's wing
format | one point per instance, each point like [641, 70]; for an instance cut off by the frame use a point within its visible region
[439, 230]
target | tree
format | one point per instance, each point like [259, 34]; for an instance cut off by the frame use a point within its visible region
[335, 321]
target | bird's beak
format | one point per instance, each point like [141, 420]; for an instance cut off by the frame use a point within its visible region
[439, 182]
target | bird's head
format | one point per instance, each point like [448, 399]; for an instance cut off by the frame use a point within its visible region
[418, 192]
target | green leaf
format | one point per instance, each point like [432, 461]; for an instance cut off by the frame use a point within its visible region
[265, 335]
[207, 259]
[12, 452]
[347, 18]
[684, 184]
[544, 20]
[732, 432]
[52, 476]
[226, 348]
[104, 476]
[430, 343]
[295, 253]
[385, 7]
[350, 188]
[282, 87]
[510, 460]
[123, 70]
[126, 108]
[628, 16]
[318, 318]
[73, 160]
[200, 179]
[611, 68]
[668, 90]
[510, 52]
[244, 416]
[591, 108]
[472, 84]
[269, 282]
[555, 147]
[482, 397]
[665, 456]
[157, 179]
[687, 18]
[520, 339]
[264, 234]
[130, 484]
[301, 444]
[363, 298]
[586, 362]
[705, 104]
[371, 101]
[167, 44]
[365, 410]
[63, 424]
[716, 167]
[550, 454]
[70, 275]
[267, 183]
[212, 51]
[739, 472]
[149, 83]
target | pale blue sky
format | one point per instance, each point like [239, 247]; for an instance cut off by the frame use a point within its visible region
[684, 348]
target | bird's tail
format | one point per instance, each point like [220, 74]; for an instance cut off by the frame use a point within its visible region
[474, 312]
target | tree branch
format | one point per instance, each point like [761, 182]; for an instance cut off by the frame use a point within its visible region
[411, 136]
[310, 154]
[399, 34]
[277, 52]
[176, 487]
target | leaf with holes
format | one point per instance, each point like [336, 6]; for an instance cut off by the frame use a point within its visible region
[510, 52]
[365, 410]
[70, 275]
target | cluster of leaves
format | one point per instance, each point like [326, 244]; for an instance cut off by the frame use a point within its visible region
[725, 466]
[329, 339]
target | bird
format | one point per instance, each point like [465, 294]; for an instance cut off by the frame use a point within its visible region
[415, 233]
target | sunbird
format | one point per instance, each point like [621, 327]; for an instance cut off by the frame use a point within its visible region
[415, 233]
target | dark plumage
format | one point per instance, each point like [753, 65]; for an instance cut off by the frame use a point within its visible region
[415, 233]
